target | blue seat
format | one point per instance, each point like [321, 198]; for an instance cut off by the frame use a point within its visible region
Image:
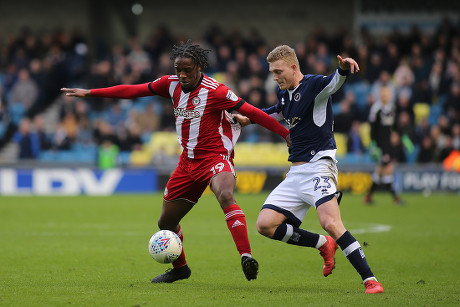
[47, 156]
[361, 90]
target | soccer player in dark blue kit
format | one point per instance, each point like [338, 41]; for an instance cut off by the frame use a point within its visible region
[304, 102]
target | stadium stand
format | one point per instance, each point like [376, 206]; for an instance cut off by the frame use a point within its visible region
[426, 72]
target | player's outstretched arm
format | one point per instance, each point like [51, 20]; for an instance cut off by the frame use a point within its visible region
[260, 117]
[244, 121]
[122, 91]
[76, 92]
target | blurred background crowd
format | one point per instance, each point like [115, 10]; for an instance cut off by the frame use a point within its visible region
[422, 71]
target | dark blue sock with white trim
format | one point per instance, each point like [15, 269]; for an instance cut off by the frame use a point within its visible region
[296, 236]
[354, 253]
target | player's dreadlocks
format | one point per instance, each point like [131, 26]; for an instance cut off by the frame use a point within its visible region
[189, 50]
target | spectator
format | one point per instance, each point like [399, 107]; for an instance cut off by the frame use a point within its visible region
[397, 148]
[437, 81]
[403, 74]
[452, 104]
[391, 58]
[445, 151]
[427, 151]
[384, 80]
[115, 116]
[375, 67]
[28, 141]
[138, 57]
[354, 141]
[61, 140]
[43, 137]
[405, 126]
[348, 113]
[133, 140]
[104, 131]
[167, 118]
[456, 136]
[67, 105]
[25, 90]
[107, 155]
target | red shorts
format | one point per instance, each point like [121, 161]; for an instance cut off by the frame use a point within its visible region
[192, 176]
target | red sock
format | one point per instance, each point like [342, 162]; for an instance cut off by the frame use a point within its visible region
[236, 223]
[180, 262]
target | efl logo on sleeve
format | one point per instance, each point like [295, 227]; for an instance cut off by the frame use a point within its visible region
[231, 96]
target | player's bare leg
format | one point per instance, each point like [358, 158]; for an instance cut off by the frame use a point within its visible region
[172, 213]
[330, 220]
[222, 186]
[272, 224]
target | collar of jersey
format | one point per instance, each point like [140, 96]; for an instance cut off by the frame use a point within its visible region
[198, 84]
[294, 89]
[290, 92]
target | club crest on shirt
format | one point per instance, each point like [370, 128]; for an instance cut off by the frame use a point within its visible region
[231, 96]
[196, 101]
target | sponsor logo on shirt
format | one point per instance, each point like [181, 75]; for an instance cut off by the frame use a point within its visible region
[293, 122]
[187, 114]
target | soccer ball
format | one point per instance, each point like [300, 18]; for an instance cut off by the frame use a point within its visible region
[165, 246]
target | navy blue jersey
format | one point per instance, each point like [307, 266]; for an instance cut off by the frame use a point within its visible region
[307, 111]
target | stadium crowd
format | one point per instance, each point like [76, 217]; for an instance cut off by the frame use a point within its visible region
[421, 69]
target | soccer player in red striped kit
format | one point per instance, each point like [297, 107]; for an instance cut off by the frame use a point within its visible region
[207, 134]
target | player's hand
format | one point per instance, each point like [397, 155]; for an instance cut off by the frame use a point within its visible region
[76, 92]
[288, 140]
[243, 120]
[348, 64]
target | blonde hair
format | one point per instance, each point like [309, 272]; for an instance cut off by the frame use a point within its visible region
[284, 53]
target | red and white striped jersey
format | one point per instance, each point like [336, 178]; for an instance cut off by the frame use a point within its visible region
[202, 123]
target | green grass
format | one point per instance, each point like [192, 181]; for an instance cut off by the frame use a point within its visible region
[92, 251]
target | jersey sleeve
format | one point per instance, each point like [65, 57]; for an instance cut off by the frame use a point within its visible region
[122, 91]
[275, 111]
[160, 86]
[328, 85]
[128, 91]
[227, 99]
[258, 116]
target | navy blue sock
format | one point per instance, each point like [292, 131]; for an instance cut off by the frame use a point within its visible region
[354, 253]
[296, 236]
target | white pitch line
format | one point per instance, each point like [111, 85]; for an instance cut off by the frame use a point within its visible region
[371, 229]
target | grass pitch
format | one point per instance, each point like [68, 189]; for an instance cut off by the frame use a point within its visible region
[92, 251]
